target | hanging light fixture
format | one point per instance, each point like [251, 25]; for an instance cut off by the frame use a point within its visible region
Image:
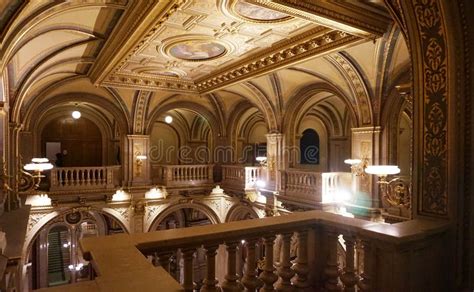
[76, 114]
[168, 119]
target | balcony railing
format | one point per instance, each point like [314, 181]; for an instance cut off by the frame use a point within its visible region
[391, 255]
[308, 187]
[183, 175]
[89, 177]
[240, 177]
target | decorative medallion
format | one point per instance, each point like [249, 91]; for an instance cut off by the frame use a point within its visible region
[255, 13]
[197, 50]
[73, 218]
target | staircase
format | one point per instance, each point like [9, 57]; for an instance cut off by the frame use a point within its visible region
[58, 258]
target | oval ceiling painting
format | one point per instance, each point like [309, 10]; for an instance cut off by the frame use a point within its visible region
[197, 50]
[257, 13]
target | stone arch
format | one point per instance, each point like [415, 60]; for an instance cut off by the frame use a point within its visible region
[239, 212]
[189, 105]
[358, 87]
[41, 220]
[269, 112]
[102, 123]
[206, 210]
[38, 109]
[302, 96]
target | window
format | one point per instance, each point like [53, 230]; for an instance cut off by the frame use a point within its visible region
[309, 147]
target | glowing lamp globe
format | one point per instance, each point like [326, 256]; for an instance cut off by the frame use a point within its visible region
[76, 114]
[382, 170]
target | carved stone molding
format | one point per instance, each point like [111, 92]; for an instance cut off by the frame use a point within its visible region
[325, 40]
[141, 105]
[358, 87]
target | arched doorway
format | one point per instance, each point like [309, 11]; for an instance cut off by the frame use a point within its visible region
[55, 257]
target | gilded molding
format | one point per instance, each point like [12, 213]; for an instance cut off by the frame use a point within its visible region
[279, 57]
[357, 85]
[149, 83]
[140, 111]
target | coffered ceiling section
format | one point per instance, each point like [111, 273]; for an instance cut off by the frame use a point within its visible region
[202, 45]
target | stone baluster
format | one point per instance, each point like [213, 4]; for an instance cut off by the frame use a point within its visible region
[250, 278]
[210, 283]
[268, 275]
[332, 270]
[301, 269]
[210, 174]
[231, 283]
[348, 277]
[365, 282]
[188, 255]
[284, 271]
[164, 260]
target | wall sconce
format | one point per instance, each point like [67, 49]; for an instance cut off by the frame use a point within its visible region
[120, 195]
[26, 181]
[394, 191]
[139, 162]
[358, 165]
[156, 193]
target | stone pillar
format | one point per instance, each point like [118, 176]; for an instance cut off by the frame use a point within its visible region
[366, 144]
[136, 173]
[274, 160]
[13, 201]
[137, 224]
[338, 151]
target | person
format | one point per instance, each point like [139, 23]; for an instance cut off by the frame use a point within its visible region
[59, 160]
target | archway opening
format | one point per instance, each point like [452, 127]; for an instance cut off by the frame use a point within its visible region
[55, 257]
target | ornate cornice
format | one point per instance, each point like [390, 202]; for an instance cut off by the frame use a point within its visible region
[354, 17]
[279, 56]
[150, 83]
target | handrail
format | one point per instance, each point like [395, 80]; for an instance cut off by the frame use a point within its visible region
[111, 255]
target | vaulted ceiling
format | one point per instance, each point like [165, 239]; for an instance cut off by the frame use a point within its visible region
[215, 52]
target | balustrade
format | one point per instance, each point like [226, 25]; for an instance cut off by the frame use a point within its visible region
[90, 177]
[240, 177]
[183, 175]
[396, 242]
[301, 186]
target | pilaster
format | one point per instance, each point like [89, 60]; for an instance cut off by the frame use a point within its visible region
[137, 171]
[366, 144]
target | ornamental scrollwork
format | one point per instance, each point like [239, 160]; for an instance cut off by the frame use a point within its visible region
[434, 198]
